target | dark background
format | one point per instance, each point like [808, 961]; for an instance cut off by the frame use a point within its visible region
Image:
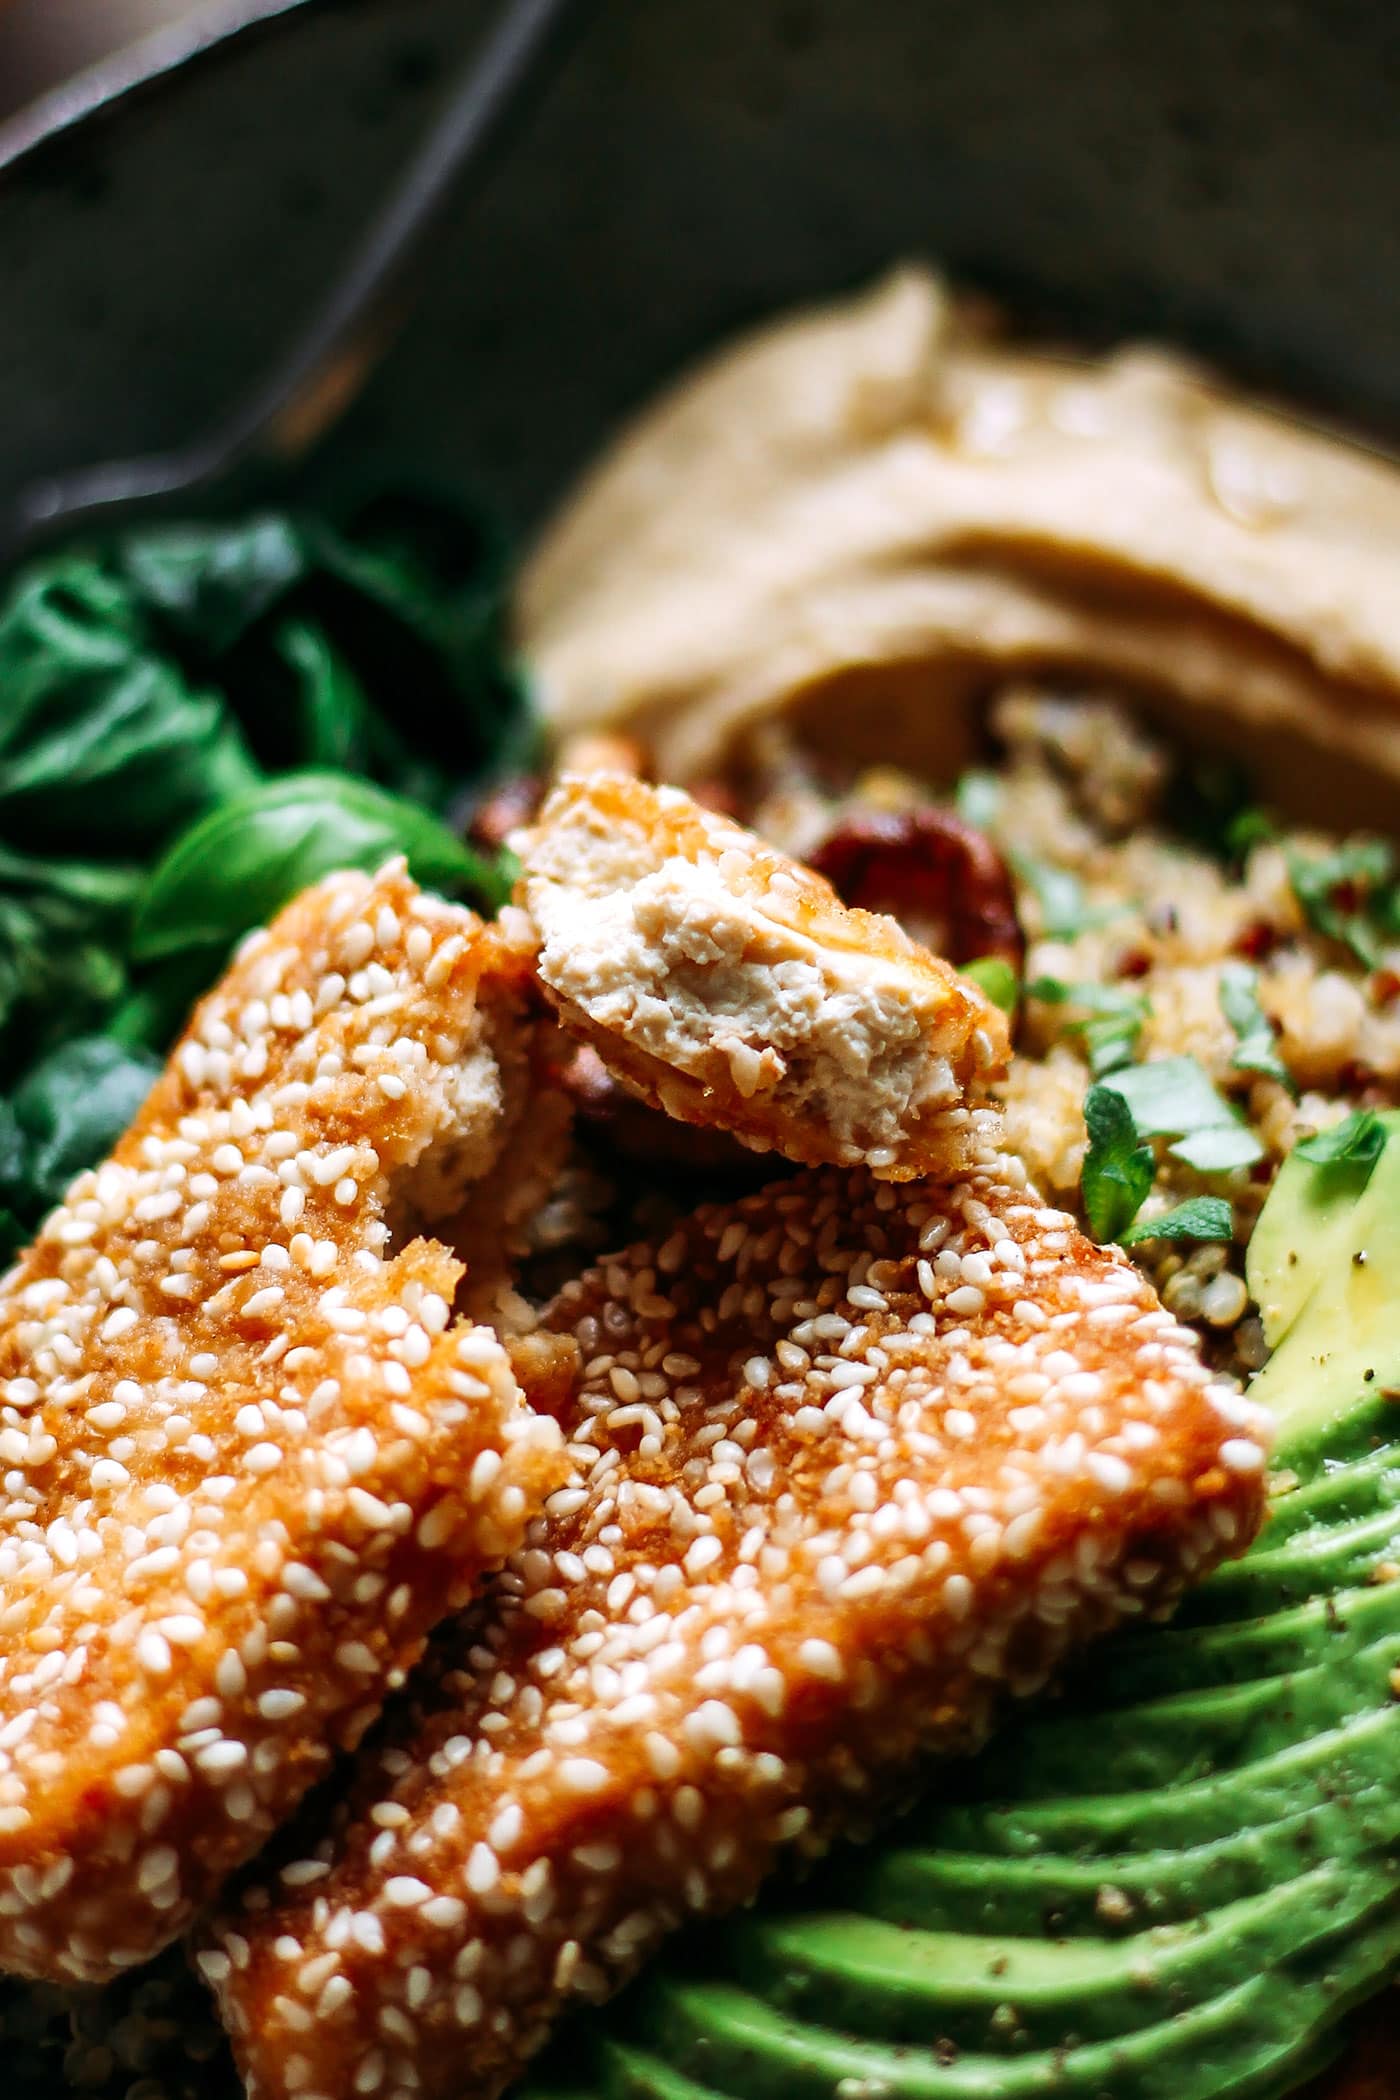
[1223, 174]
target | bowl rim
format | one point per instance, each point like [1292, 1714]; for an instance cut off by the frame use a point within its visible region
[146, 60]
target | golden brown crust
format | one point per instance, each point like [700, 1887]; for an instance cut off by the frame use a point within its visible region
[250, 1459]
[729, 985]
[854, 1462]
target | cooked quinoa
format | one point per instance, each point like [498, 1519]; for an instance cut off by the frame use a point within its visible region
[1078, 785]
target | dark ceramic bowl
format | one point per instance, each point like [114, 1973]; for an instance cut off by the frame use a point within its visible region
[1224, 175]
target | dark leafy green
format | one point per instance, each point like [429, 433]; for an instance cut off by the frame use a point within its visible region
[1256, 1050]
[1109, 1017]
[105, 744]
[1173, 1097]
[157, 689]
[1118, 1168]
[246, 860]
[1198, 1218]
[63, 926]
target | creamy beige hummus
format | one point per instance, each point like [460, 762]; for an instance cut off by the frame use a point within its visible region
[871, 513]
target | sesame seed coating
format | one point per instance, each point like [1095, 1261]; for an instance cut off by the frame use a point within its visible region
[854, 1462]
[248, 1459]
[729, 985]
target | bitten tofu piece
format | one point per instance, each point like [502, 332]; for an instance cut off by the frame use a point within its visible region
[249, 1459]
[730, 986]
[856, 1463]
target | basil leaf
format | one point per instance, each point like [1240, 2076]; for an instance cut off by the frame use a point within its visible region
[1065, 911]
[1118, 1170]
[1256, 1050]
[1110, 1023]
[1173, 1097]
[997, 979]
[236, 868]
[104, 743]
[1198, 1218]
[62, 938]
[1347, 894]
[1357, 1141]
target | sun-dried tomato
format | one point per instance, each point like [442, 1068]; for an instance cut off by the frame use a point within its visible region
[942, 879]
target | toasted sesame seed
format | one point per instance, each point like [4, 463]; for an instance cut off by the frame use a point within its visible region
[849, 1501]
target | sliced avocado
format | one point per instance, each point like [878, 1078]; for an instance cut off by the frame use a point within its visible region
[1174, 1882]
[1324, 1266]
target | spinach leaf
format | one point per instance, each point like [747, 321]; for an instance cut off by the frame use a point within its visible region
[104, 744]
[68, 1113]
[242, 863]
[63, 931]
[997, 978]
[1256, 1050]
[1110, 1018]
[1118, 1170]
[1198, 1218]
[378, 646]
[74, 1105]
[1348, 895]
[1173, 1097]
[210, 584]
[1357, 1141]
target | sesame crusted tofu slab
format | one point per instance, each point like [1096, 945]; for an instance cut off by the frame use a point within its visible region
[854, 1462]
[249, 1459]
[729, 985]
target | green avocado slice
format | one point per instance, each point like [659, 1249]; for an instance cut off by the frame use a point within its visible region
[1174, 1882]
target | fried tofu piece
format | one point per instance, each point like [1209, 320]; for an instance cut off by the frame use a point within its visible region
[730, 986]
[856, 1463]
[249, 1459]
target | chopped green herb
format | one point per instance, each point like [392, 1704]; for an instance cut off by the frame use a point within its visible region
[1250, 828]
[1198, 1218]
[1065, 911]
[1118, 1169]
[1173, 1097]
[242, 863]
[977, 798]
[1357, 1141]
[1348, 895]
[1207, 798]
[997, 979]
[1257, 1050]
[1110, 1020]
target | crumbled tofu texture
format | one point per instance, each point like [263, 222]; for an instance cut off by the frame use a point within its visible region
[729, 985]
[249, 1459]
[854, 1463]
